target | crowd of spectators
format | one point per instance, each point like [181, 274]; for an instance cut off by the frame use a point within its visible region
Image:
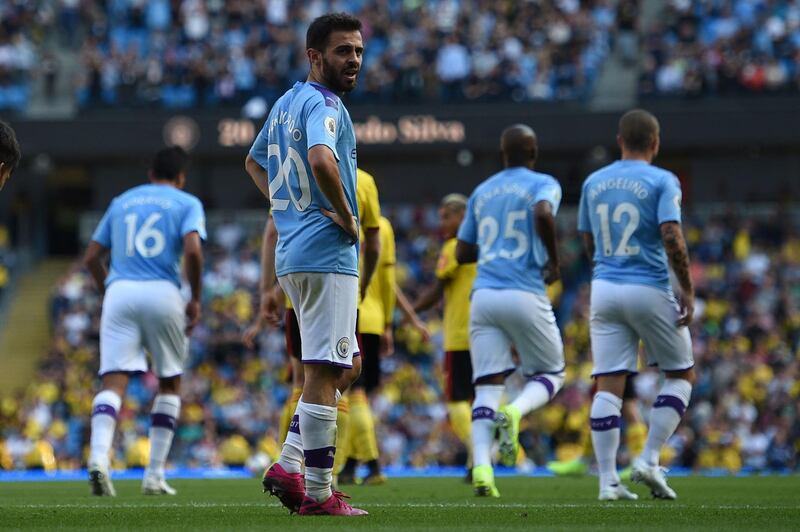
[745, 409]
[20, 31]
[187, 53]
[723, 47]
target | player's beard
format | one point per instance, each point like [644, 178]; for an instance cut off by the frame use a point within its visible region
[333, 78]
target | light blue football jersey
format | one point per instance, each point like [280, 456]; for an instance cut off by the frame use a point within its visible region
[499, 219]
[308, 115]
[144, 228]
[623, 205]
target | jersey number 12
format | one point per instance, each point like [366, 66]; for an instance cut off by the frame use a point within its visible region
[624, 208]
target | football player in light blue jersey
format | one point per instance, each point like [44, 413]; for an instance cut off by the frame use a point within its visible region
[148, 229]
[304, 161]
[509, 229]
[630, 218]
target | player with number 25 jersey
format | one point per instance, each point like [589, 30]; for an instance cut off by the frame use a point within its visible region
[509, 228]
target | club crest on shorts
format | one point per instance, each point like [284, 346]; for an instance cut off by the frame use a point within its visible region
[343, 347]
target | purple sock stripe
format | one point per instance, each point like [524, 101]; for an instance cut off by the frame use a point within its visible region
[320, 458]
[107, 410]
[544, 381]
[294, 426]
[605, 423]
[482, 412]
[672, 402]
[163, 420]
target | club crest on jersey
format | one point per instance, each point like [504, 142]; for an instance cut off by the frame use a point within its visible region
[330, 126]
[343, 347]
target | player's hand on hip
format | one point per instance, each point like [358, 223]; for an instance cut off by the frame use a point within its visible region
[686, 303]
[192, 315]
[551, 272]
[348, 226]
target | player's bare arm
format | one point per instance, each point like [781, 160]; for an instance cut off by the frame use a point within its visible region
[257, 174]
[193, 266]
[466, 252]
[326, 172]
[269, 312]
[588, 246]
[94, 261]
[411, 316]
[678, 256]
[546, 228]
[372, 250]
[430, 296]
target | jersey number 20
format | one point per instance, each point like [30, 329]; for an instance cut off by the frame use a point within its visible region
[148, 241]
[284, 171]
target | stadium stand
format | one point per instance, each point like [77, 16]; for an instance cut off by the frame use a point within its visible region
[195, 54]
[745, 409]
[723, 48]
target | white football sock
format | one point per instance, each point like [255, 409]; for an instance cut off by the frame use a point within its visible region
[487, 401]
[605, 420]
[163, 419]
[665, 417]
[105, 408]
[291, 458]
[539, 390]
[318, 426]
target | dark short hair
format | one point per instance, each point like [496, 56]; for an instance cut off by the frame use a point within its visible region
[9, 147]
[169, 163]
[320, 30]
[638, 130]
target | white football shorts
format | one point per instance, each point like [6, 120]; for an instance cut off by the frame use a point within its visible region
[500, 319]
[326, 305]
[622, 314]
[139, 316]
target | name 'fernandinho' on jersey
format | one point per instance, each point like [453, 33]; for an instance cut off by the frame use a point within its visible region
[307, 115]
[623, 205]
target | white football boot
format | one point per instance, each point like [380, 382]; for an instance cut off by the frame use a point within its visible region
[653, 477]
[100, 481]
[616, 492]
[154, 484]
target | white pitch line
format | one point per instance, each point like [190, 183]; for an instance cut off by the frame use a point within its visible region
[516, 506]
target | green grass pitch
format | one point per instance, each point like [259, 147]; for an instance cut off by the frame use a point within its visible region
[411, 504]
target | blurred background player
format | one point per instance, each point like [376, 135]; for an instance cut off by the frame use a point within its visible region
[453, 285]
[375, 317]
[9, 153]
[309, 130]
[509, 229]
[147, 230]
[630, 217]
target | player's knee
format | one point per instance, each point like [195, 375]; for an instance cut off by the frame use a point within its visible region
[686, 374]
[556, 381]
[170, 385]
